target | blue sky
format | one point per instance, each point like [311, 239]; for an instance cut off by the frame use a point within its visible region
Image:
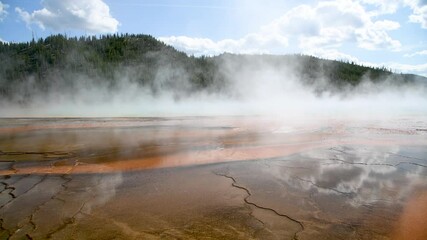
[391, 33]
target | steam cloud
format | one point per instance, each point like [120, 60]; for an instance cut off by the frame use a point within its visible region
[252, 86]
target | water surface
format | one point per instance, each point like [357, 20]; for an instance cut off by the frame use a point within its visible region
[221, 178]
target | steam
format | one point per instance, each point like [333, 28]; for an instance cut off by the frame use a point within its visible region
[242, 86]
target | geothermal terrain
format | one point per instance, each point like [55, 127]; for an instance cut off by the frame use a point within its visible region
[213, 178]
[124, 137]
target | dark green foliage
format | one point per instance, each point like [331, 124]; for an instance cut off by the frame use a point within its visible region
[56, 62]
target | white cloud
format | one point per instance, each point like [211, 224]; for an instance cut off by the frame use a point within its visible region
[418, 7]
[326, 25]
[92, 16]
[383, 6]
[419, 53]
[343, 21]
[297, 22]
[3, 41]
[3, 12]
[375, 36]
[420, 16]
[419, 12]
[251, 43]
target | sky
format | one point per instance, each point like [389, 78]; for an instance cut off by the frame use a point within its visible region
[389, 33]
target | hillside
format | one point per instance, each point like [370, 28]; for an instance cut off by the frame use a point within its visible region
[58, 64]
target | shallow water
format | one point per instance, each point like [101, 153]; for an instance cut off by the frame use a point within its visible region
[221, 178]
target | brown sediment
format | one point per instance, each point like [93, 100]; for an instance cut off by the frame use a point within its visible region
[412, 224]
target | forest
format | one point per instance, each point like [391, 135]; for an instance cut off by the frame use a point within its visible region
[65, 64]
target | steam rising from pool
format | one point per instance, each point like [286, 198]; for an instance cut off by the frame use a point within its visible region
[255, 88]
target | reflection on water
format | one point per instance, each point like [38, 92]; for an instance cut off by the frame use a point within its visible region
[365, 175]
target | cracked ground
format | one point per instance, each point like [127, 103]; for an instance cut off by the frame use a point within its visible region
[212, 178]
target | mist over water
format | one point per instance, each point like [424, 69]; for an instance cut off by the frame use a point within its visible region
[251, 87]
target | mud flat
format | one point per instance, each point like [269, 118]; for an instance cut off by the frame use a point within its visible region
[213, 178]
